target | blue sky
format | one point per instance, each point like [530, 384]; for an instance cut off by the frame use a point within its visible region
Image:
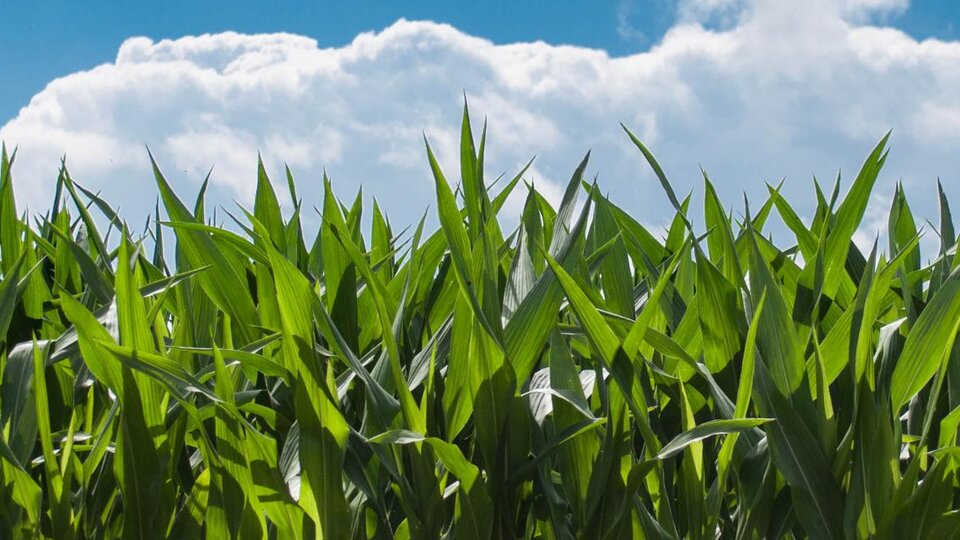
[754, 91]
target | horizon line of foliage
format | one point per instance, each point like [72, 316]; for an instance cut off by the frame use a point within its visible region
[576, 377]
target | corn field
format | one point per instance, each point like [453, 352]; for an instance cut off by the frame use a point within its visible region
[573, 375]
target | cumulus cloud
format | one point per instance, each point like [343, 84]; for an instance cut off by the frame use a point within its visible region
[781, 90]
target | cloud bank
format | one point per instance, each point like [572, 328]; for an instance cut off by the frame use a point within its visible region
[753, 91]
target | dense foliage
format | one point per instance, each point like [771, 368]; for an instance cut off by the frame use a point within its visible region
[576, 377]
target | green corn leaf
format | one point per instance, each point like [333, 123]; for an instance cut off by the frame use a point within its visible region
[928, 343]
[8, 297]
[474, 507]
[339, 273]
[10, 235]
[719, 314]
[223, 283]
[232, 483]
[706, 430]
[848, 217]
[611, 352]
[459, 244]
[18, 412]
[267, 209]
[531, 324]
[59, 493]
[577, 456]
[798, 456]
[777, 337]
[567, 379]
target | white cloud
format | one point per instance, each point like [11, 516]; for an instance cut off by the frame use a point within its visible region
[720, 12]
[863, 8]
[777, 89]
[625, 11]
[726, 12]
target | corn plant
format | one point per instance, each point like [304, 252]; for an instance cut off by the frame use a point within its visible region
[569, 375]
